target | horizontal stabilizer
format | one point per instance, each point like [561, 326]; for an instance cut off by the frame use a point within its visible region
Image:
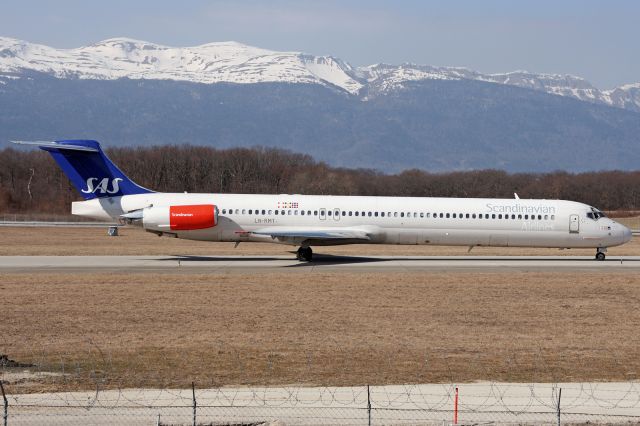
[57, 145]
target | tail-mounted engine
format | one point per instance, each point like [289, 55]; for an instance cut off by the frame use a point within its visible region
[174, 218]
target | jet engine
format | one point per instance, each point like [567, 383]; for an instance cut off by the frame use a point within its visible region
[174, 218]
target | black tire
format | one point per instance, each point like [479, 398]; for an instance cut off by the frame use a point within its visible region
[600, 256]
[306, 254]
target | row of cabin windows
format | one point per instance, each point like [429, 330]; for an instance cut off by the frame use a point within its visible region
[395, 214]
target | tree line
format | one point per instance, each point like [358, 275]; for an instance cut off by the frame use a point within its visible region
[31, 182]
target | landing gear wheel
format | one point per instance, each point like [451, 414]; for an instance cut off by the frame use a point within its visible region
[304, 254]
[600, 255]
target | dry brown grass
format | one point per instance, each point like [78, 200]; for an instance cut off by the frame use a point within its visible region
[135, 241]
[321, 328]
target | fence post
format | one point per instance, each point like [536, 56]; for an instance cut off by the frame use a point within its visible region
[5, 414]
[455, 408]
[193, 391]
[559, 396]
[369, 405]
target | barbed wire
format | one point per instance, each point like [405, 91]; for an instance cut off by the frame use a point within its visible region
[58, 388]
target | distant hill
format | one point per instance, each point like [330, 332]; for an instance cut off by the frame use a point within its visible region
[125, 92]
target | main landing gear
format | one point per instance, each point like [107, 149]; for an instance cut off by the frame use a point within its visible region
[304, 254]
[600, 253]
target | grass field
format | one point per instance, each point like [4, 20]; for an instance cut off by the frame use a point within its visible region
[323, 329]
[275, 328]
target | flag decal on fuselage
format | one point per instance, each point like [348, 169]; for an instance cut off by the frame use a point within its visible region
[287, 204]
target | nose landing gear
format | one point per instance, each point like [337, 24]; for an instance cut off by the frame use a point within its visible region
[304, 254]
[600, 253]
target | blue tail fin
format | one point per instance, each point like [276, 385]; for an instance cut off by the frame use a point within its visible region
[89, 169]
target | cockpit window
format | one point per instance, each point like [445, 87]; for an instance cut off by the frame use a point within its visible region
[595, 214]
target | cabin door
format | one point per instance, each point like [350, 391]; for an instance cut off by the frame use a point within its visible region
[574, 224]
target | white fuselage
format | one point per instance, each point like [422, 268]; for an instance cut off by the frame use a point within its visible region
[388, 220]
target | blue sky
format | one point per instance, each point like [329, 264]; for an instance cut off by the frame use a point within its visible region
[597, 40]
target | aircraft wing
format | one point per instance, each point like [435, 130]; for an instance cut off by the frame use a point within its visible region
[315, 234]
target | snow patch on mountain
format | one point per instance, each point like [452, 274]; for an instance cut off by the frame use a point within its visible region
[209, 63]
[233, 62]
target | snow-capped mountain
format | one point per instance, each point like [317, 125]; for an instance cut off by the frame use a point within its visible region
[233, 62]
[209, 63]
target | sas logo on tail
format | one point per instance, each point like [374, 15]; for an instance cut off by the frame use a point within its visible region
[103, 186]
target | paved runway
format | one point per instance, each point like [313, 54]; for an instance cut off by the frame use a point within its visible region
[321, 263]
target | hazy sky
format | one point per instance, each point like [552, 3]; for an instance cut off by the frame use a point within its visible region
[597, 40]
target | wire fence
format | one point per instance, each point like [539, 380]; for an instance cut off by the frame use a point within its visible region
[471, 403]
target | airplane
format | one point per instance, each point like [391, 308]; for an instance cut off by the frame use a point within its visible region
[307, 221]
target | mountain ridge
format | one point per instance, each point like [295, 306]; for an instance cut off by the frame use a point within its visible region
[233, 62]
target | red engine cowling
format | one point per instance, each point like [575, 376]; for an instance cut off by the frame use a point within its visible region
[197, 216]
[180, 218]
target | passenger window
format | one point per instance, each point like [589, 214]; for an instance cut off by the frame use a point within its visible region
[295, 212]
[269, 211]
[428, 215]
[473, 216]
[421, 214]
[301, 212]
[376, 214]
[328, 212]
[357, 213]
[493, 216]
[344, 213]
[519, 216]
[526, 216]
[500, 216]
[369, 214]
[382, 214]
[224, 211]
[539, 217]
[546, 217]
[447, 215]
[315, 212]
[401, 214]
[454, 216]
[553, 217]
[264, 212]
[395, 214]
[513, 216]
[441, 215]
[350, 213]
[308, 212]
[277, 212]
[289, 212]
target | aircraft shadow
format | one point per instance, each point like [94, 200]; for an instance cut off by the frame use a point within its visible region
[329, 259]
